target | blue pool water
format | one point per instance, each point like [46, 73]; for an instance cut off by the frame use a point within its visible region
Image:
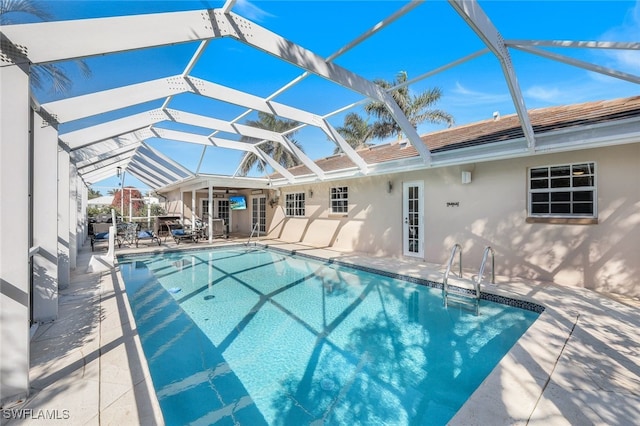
[253, 337]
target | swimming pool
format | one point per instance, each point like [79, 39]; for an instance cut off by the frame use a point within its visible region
[262, 337]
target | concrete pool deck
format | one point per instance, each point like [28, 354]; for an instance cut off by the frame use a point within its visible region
[578, 364]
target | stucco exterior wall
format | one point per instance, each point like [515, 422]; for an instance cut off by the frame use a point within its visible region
[492, 211]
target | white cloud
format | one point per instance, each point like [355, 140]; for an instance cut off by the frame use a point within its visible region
[540, 93]
[251, 11]
[629, 30]
[473, 96]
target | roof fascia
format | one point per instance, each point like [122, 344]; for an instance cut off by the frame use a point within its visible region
[477, 20]
[204, 181]
[617, 132]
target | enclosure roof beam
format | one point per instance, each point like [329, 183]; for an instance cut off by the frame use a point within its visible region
[479, 22]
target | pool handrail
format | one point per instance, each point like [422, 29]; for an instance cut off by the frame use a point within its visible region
[487, 250]
[256, 228]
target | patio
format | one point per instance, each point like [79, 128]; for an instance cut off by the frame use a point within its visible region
[578, 364]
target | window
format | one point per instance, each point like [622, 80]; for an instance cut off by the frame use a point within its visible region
[563, 191]
[339, 200]
[294, 204]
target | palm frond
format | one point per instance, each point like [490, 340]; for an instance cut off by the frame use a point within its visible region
[274, 149]
[11, 9]
[417, 108]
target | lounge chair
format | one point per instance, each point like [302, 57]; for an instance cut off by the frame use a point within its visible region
[146, 234]
[180, 234]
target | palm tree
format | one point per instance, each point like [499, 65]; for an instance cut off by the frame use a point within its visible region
[54, 74]
[417, 108]
[93, 193]
[356, 132]
[274, 149]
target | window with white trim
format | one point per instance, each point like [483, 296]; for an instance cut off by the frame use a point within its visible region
[294, 204]
[339, 199]
[567, 190]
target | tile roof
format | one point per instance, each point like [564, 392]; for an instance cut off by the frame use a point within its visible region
[488, 131]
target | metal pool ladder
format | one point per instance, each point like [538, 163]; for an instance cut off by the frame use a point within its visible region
[464, 290]
[256, 230]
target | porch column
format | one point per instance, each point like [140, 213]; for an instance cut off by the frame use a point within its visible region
[73, 216]
[181, 207]
[84, 200]
[193, 208]
[45, 221]
[210, 210]
[64, 274]
[14, 229]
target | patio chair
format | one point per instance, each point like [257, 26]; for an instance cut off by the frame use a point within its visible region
[218, 228]
[128, 233]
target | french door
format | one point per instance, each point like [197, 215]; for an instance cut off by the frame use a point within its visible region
[259, 213]
[412, 219]
[222, 212]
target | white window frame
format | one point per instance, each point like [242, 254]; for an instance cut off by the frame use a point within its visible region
[571, 189]
[295, 204]
[204, 205]
[339, 197]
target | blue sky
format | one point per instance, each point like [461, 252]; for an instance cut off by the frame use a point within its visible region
[429, 37]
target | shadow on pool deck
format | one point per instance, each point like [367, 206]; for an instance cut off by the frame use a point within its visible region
[578, 364]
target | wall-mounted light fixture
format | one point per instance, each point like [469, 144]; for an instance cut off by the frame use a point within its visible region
[311, 193]
[118, 171]
[389, 187]
[274, 199]
[466, 177]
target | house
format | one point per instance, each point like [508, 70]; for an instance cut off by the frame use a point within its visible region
[105, 200]
[566, 212]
